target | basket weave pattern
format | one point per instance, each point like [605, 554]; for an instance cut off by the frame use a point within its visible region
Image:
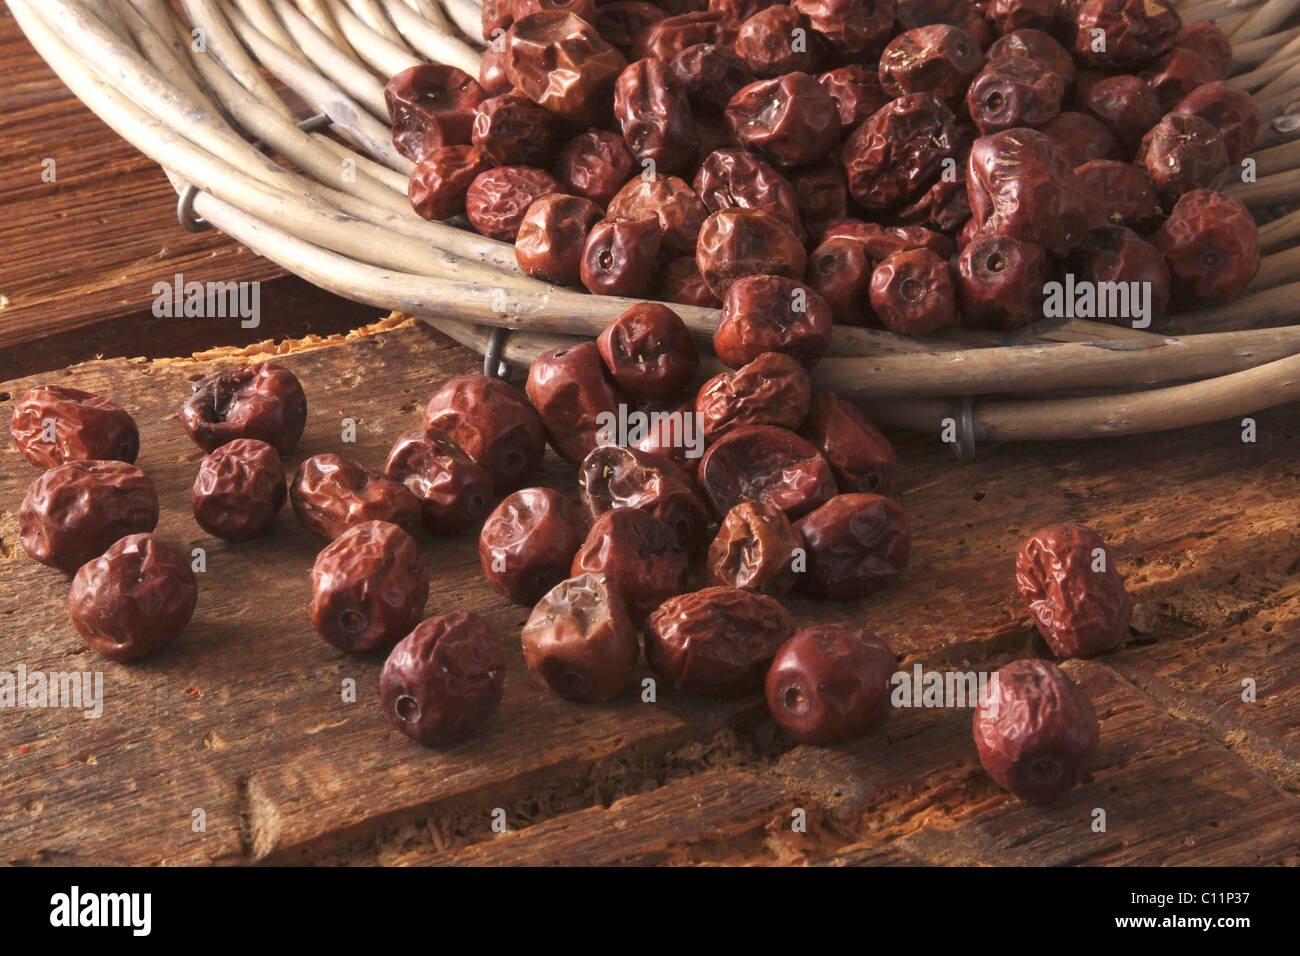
[190, 90]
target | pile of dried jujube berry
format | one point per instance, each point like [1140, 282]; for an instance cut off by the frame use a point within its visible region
[914, 163]
[796, 480]
[908, 164]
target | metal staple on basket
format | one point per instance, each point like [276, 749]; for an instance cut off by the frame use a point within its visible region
[190, 89]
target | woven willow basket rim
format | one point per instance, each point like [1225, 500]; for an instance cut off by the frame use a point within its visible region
[190, 93]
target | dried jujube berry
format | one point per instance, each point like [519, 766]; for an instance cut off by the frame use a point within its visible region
[639, 554]
[719, 640]
[856, 91]
[736, 243]
[239, 490]
[369, 587]
[735, 178]
[852, 28]
[773, 389]
[560, 62]
[1037, 44]
[939, 59]
[681, 283]
[330, 494]
[1009, 15]
[1037, 733]
[1230, 110]
[616, 477]
[1207, 39]
[755, 550]
[595, 165]
[263, 401]
[1126, 104]
[767, 313]
[441, 180]
[1118, 194]
[671, 432]
[768, 464]
[1136, 32]
[898, 152]
[1000, 282]
[770, 42]
[454, 492]
[881, 242]
[1073, 591]
[619, 256]
[74, 511]
[668, 37]
[579, 640]
[1081, 138]
[857, 544]
[1020, 185]
[667, 199]
[493, 423]
[512, 130]
[528, 543]
[861, 458]
[1116, 257]
[572, 392]
[830, 682]
[945, 205]
[53, 424]
[492, 71]
[1014, 91]
[1211, 244]
[912, 292]
[655, 115]
[1182, 153]
[444, 680]
[582, 9]
[498, 198]
[623, 21]
[649, 352]
[431, 105]
[134, 599]
[552, 236]
[1176, 74]
[711, 74]
[791, 120]
[839, 270]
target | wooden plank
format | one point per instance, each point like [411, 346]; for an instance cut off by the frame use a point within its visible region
[82, 253]
[243, 716]
[1170, 796]
[709, 817]
[1201, 679]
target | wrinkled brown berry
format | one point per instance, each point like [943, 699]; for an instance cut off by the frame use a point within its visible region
[716, 641]
[857, 544]
[444, 680]
[1037, 733]
[830, 682]
[53, 424]
[579, 640]
[74, 511]
[239, 490]
[528, 543]
[134, 599]
[755, 550]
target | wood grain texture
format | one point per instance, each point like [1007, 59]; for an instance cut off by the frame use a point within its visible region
[243, 715]
[82, 253]
[689, 821]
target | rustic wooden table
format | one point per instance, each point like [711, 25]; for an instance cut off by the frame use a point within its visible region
[237, 743]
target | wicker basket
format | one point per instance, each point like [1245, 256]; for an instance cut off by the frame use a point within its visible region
[191, 93]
